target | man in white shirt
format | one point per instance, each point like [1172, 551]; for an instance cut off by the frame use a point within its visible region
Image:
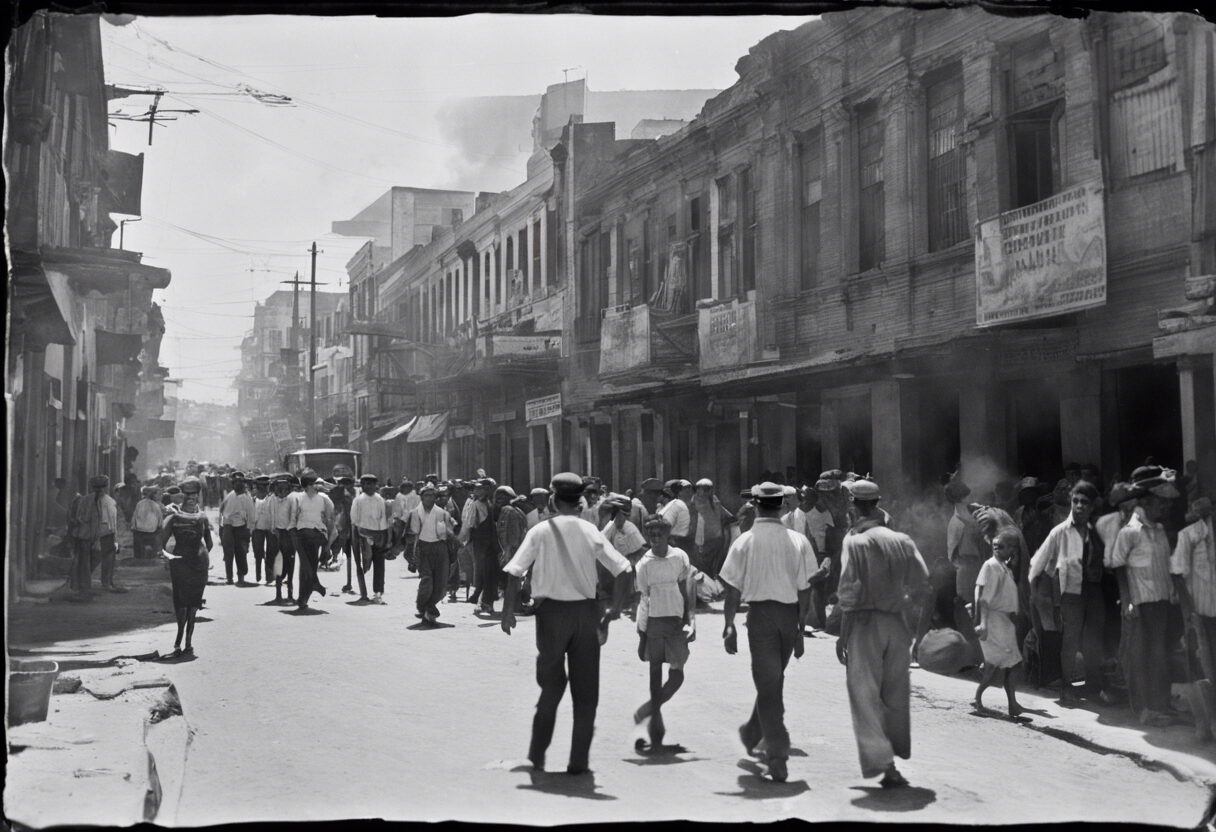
[145, 523]
[312, 518]
[428, 527]
[92, 525]
[369, 518]
[770, 568]
[677, 514]
[1193, 566]
[263, 540]
[284, 562]
[561, 555]
[237, 513]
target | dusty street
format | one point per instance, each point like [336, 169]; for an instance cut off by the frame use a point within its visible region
[358, 712]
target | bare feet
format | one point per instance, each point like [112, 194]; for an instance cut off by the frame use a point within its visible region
[1015, 710]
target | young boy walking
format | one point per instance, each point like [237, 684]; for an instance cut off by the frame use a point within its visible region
[996, 598]
[666, 622]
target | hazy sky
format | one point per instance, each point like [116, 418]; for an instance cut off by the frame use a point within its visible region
[234, 195]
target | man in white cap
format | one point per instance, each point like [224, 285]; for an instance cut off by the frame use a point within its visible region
[430, 526]
[1141, 560]
[881, 571]
[540, 506]
[92, 525]
[561, 556]
[770, 568]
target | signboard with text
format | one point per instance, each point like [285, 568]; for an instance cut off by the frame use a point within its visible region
[548, 407]
[727, 333]
[624, 339]
[280, 429]
[1045, 259]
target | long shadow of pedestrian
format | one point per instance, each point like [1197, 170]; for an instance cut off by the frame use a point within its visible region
[202, 619]
[907, 799]
[274, 603]
[359, 602]
[754, 786]
[422, 625]
[305, 611]
[663, 755]
[565, 785]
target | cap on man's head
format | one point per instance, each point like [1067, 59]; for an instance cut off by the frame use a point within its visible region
[864, 490]
[505, 491]
[147, 490]
[173, 489]
[1072, 467]
[618, 501]
[789, 491]
[191, 485]
[705, 482]
[827, 485]
[386, 491]
[369, 478]
[832, 474]
[308, 476]
[1120, 492]
[1153, 479]
[344, 480]
[237, 475]
[651, 484]
[261, 480]
[1028, 484]
[539, 492]
[656, 521]
[768, 491]
[567, 486]
[99, 481]
[429, 488]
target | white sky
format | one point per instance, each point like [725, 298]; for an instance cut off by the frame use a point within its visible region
[366, 92]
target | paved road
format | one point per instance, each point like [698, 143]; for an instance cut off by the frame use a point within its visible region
[357, 712]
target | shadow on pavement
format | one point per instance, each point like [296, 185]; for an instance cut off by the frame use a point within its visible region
[907, 799]
[565, 785]
[663, 755]
[202, 619]
[422, 625]
[305, 611]
[359, 602]
[755, 786]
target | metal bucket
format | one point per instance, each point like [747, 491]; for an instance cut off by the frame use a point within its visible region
[29, 690]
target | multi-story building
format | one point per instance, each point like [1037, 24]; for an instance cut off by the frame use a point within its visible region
[903, 239]
[84, 337]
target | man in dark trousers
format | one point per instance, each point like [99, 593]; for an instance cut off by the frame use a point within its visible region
[237, 516]
[427, 528]
[770, 567]
[561, 554]
[282, 565]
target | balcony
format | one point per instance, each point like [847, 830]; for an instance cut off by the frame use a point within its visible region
[640, 343]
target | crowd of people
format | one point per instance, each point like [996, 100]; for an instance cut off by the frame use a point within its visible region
[1113, 588]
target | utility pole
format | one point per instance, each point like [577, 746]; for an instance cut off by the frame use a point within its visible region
[312, 350]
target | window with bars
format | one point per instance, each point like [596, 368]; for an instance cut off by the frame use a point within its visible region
[726, 234]
[1137, 49]
[947, 170]
[749, 231]
[810, 193]
[537, 277]
[871, 202]
[698, 261]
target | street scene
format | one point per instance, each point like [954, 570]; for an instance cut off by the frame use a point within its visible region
[564, 419]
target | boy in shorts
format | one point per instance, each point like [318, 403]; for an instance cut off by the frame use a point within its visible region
[666, 621]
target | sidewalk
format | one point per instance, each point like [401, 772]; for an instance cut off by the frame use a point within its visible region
[113, 746]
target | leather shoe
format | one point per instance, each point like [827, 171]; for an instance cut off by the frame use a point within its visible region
[778, 771]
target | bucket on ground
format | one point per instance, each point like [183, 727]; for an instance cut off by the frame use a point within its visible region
[29, 690]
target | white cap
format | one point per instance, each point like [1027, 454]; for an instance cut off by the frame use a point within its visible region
[705, 482]
[789, 490]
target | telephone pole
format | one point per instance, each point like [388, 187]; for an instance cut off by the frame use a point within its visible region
[312, 350]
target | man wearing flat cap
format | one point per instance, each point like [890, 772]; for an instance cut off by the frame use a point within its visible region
[430, 526]
[560, 555]
[92, 525]
[312, 518]
[510, 526]
[710, 527]
[478, 531]
[881, 572]
[539, 510]
[965, 548]
[284, 561]
[263, 528]
[770, 568]
[1141, 560]
[649, 492]
[145, 523]
[369, 518]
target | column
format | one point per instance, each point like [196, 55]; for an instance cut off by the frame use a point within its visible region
[745, 440]
[886, 416]
[1186, 396]
[495, 259]
[715, 213]
[614, 234]
[830, 435]
[1081, 416]
[543, 242]
[554, 452]
[614, 422]
[981, 412]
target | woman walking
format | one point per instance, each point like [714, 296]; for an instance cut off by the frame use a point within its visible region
[188, 565]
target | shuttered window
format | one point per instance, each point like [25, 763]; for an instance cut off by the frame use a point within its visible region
[749, 231]
[872, 203]
[947, 172]
[1137, 49]
[810, 188]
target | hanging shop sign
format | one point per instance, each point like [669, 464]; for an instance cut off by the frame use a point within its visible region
[503, 416]
[281, 430]
[548, 407]
[1046, 259]
[624, 339]
[727, 333]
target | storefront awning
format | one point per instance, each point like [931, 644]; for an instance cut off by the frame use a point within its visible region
[104, 270]
[43, 302]
[402, 428]
[430, 427]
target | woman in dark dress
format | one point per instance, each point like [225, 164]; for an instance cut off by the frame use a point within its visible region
[188, 565]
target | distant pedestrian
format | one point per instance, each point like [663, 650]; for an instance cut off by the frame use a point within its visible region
[369, 518]
[677, 513]
[92, 526]
[145, 523]
[770, 569]
[188, 565]
[237, 513]
[343, 496]
[561, 555]
[427, 529]
[882, 570]
[264, 547]
[709, 523]
[478, 530]
[511, 526]
[312, 517]
[285, 559]
[1193, 566]
[966, 549]
[539, 509]
[996, 598]
[666, 622]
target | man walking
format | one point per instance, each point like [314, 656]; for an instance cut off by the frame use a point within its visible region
[770, 568]
[677, 514]
[369, 518]
[92, 525]
[881, 571]
[283, 564]
[428, 527]
[510, 527]
[477, 529]
[237, 513]
[263, 528]
[145, 523]
[312, 519]
[561, 554]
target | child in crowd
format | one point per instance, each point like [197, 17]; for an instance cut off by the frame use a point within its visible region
[996, 597]
[666, 622]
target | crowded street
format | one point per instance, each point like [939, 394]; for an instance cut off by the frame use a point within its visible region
[563, 416]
